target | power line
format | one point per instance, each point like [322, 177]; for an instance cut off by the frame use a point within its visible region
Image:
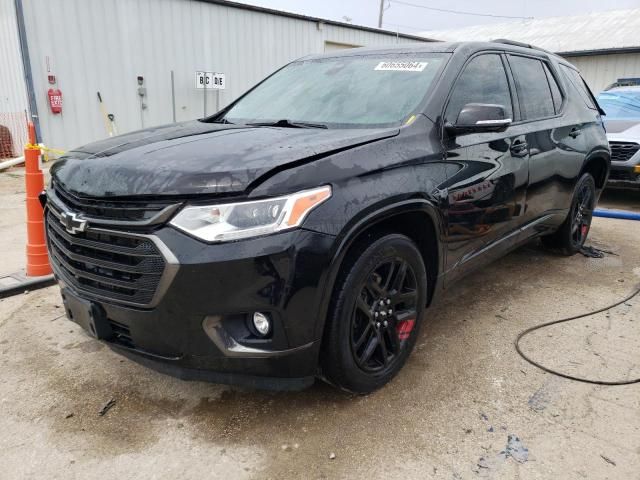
[459, 12]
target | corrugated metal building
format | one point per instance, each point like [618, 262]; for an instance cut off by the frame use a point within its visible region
[13, 94]
[104, 45]
[605, 46]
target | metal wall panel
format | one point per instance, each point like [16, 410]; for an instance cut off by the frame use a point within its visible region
[13, 94]
[103, 45]
[602, 70]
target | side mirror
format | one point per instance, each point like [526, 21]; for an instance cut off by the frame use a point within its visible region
[480, 117]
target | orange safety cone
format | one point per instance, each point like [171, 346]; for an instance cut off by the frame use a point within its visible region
[37, 256]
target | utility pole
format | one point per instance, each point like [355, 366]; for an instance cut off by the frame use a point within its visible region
[381, 13]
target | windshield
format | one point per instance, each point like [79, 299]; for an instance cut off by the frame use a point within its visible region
[358, 91]
[623, 104]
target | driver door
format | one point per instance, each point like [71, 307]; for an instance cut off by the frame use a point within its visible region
[486, 195]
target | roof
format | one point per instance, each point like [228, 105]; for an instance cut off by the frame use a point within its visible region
[433, 47]
[591, 34]
[282, 13]
[403, 48]
[629, 88]
[436, 47]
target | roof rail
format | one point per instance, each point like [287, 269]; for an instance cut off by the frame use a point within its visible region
[519, 44]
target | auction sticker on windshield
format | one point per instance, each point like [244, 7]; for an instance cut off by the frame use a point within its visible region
[402, 66]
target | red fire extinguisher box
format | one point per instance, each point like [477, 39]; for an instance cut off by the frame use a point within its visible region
[55, 100]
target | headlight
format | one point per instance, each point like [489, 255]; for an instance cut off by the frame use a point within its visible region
[234, 221]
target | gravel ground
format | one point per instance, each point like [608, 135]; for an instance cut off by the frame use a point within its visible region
[448, 415]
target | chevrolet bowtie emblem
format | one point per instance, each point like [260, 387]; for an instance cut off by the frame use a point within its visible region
[72, 223]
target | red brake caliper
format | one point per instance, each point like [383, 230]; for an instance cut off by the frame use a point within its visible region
[404, 328]
[584, 230]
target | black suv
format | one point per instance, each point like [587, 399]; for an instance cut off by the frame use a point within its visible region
[301, 231]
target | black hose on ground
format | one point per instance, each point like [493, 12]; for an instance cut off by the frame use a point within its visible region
[563, 320]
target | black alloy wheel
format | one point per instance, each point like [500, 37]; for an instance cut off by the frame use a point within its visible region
[571, 235]
[582, 214]
[375, 313]
[384, 315]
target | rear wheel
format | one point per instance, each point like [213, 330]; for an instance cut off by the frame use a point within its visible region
[572, 234]
[376, 312]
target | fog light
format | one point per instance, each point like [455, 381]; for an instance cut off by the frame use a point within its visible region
[636, 169]
[262, 323]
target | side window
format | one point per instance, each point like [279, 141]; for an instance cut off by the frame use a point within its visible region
[576, 80]
[482, 81]
[534, 93]
[555, 90]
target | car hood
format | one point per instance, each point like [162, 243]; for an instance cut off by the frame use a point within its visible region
[198, 158]
[623, 130]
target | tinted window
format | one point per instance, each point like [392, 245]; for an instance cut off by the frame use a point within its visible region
[555, 90]
[534, 93]
[578, 83]
[482, 81]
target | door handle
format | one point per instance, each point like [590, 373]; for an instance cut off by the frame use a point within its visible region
[519, 148]
[575, 131]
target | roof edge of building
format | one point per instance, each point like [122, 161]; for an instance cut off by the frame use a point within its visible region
[299, 16]
[601, 51]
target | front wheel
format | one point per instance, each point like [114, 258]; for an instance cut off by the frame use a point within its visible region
[375, 315]
[572, 234]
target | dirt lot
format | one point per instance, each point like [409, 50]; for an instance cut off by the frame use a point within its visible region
[448, 414]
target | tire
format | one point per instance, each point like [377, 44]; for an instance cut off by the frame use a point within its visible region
[573, 232]
[366, 342]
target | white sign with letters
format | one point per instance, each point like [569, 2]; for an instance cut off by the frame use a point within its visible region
[210, 80]
[402, 66]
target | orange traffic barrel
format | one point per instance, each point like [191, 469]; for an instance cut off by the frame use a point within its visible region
[37, 256]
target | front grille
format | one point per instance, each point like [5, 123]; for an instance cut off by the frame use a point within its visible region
[120, 210]
[623, 151]
[105, 264]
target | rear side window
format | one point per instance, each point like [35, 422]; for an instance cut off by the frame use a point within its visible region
[555, 89]
[482, 81]
[576, 80]
[533, 89]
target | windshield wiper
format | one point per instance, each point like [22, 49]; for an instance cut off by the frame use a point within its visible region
[288, 124]
[222, 120]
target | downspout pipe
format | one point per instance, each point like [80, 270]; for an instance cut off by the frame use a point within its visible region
[26, 67]
[619, 214]
[11, 163]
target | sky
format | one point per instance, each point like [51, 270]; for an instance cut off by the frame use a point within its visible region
[399, 16]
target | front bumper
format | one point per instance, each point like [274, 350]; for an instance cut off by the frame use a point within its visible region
[199, 327]
[625, 161]
[624, 176]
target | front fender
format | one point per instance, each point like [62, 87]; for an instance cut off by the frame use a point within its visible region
[360, 224]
